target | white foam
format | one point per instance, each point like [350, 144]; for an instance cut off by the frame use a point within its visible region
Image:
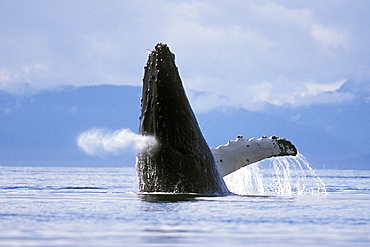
[278, 176]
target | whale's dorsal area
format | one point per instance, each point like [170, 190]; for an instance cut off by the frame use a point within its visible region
[182, 162]
[242, 152]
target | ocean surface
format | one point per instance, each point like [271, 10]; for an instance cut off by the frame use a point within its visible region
[60, 206]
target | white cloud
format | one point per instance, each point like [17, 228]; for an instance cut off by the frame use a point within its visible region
[316, 88]
[329, 37]
[189, 28]
[256, 97]
[25, 79]
[98, 141]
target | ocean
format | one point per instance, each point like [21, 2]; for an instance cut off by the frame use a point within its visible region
[61, 206]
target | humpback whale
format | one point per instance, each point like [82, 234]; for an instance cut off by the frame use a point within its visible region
[182, 162]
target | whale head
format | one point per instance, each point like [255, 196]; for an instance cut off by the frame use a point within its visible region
[181, 162]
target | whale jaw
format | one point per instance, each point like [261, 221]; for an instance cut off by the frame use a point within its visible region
[182, 161]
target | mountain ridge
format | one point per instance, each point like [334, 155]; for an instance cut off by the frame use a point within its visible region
[41, 129]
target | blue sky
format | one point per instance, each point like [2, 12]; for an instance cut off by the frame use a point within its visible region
[243, 55]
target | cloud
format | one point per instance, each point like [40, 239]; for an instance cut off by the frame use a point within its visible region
[98, 141]
[329, 37]
[285, 92]
[281, 92]
[263, 54]
[243, 54]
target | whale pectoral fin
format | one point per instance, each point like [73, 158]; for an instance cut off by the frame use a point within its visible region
[242, 152]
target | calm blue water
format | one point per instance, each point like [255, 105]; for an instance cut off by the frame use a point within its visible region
[47, 206]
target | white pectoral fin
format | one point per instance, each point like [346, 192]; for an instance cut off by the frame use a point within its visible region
[241, 152]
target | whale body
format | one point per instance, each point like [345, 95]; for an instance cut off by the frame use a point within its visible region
[182, 162]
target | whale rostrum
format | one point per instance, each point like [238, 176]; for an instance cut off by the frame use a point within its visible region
[181, 162]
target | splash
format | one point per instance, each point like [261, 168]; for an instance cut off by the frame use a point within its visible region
[104, 142]
[279, 176]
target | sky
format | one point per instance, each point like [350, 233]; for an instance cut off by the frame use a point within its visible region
[242, 54]
[249, 55]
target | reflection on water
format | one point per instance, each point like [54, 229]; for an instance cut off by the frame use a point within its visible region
[168, 197]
